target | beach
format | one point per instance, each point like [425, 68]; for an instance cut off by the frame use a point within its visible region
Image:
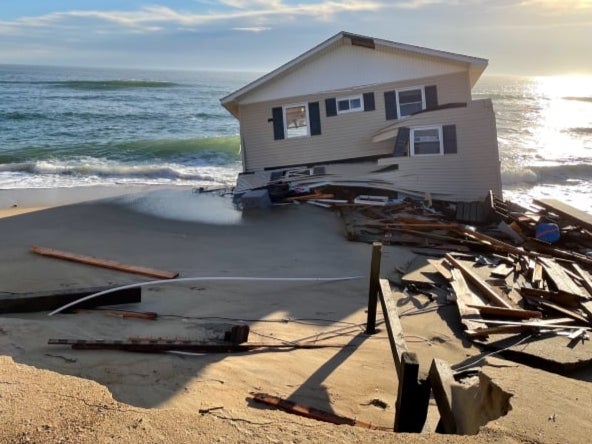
[261, 268]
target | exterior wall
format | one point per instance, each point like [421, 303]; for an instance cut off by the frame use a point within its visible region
[467, 175]
[344, 136]
[338, 68]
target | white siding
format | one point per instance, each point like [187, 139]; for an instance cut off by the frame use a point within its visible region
[467, 175]
[345, 67]
[344, 136]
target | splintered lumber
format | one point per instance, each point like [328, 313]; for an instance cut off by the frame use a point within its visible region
[558, 308]
[548, 250]
[442, 380]
[104, 263]
[311, 412]
[160, 345]
[496, 244]
[558, 275]
[507, 312]
[51, 300]
[571, 214]
[483, 332]
[586, 278]
[559, 297]
[487, 291]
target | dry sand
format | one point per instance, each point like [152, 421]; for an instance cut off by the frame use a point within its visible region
[55, 394]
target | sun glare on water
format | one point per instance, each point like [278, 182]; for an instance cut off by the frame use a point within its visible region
[564, 107]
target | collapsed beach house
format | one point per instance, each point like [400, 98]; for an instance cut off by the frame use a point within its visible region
[356, 111]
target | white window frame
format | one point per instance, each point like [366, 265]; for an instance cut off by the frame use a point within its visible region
[286, 129]
[411, 88]
[349, 99]
[420, 128]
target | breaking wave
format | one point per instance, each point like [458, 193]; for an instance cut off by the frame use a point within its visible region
[579, 99]
[204, 150]
[93, 85]
[549, 174]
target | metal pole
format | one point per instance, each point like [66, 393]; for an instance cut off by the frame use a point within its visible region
[374, 288]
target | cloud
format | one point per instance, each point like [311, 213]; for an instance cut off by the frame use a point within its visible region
[253, 29]
[157, 18]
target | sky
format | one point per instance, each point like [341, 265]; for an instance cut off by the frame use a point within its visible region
[518, 37]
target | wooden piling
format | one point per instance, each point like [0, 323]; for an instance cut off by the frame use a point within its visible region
[374, 287]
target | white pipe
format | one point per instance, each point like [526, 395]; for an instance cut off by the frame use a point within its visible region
[194, 279]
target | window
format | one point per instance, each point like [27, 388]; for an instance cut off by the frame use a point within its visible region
[296, 120]
[410, 101]
[350, 104]
[426, 141]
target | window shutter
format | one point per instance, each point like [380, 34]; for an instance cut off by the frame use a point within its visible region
[369, 101]
[431, 97]
[278, 123]
[402, 142]
[314, 115]
[390, 105]
[331, 107]
[449, 136]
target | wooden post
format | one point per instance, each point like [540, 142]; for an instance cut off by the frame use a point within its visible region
[373, 288]
[413, 397]
[413, 394]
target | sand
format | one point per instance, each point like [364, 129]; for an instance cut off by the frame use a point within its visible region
[56, 394]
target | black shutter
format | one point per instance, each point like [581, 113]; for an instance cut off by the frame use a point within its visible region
[278, 123]
[331, 107]
[369, 101]
[314, 115]
[431, 97]
[390, 105]
[449, 136]
[402, 142]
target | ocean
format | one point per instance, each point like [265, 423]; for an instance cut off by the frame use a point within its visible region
[66, 127]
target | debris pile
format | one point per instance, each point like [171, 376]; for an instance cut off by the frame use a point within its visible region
[528, 272]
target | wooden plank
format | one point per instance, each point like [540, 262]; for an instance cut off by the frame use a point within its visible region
[51, 300]
[441, 268]
[559, 297]
[479, 283]
[483, 332]
[560, 278]
[559, 309]
[464, 298]
[104, 263]
[393, 324]
[502, 271]
[573, 215]
[442, 380]
[310, 412]
[373, 288]
[506, 312]
[162, 345]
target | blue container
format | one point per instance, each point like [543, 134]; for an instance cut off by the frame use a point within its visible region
[547, 232]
